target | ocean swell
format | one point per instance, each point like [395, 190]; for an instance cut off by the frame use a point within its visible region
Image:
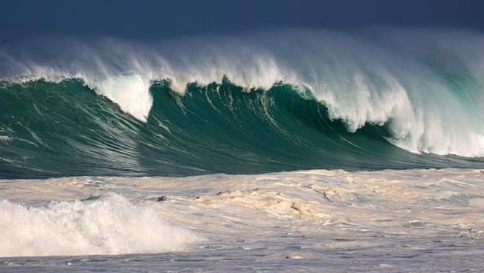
[420, 91]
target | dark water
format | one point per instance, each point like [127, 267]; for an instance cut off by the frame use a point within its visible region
[53, 129]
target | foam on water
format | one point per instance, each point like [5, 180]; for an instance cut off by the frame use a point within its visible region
[105, 226]
[318, 216]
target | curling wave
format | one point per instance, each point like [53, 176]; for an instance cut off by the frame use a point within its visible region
[255, 103]
[65, 128]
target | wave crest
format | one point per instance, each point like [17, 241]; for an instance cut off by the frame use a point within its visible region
[426, 87]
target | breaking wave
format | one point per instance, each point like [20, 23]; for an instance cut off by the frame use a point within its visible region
[107, 225]
[261, 102]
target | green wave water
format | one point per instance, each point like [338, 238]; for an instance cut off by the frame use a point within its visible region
[50, 129]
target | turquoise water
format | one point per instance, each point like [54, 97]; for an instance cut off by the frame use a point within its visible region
[64, 128]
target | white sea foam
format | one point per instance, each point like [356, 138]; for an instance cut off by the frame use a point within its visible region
[406, 79]
[108, 225]
[319, 216]
[130, 92]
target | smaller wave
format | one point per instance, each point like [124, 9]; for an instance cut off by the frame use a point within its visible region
[108, 225]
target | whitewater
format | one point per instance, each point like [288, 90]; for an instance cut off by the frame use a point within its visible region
[288, 150]
[330, 221]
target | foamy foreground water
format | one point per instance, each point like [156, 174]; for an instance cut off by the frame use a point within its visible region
[321, 221]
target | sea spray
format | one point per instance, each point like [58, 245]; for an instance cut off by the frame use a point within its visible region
[254, 103]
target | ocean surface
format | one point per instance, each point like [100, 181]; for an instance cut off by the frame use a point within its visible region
[289, 150]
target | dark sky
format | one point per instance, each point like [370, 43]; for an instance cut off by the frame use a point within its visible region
[157, 19]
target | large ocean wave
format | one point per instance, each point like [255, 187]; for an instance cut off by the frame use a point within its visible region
[256, 103]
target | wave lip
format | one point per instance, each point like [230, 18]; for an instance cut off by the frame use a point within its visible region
[108, 225]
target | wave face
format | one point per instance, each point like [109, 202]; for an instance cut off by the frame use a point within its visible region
[258, 103]
[65, 128]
